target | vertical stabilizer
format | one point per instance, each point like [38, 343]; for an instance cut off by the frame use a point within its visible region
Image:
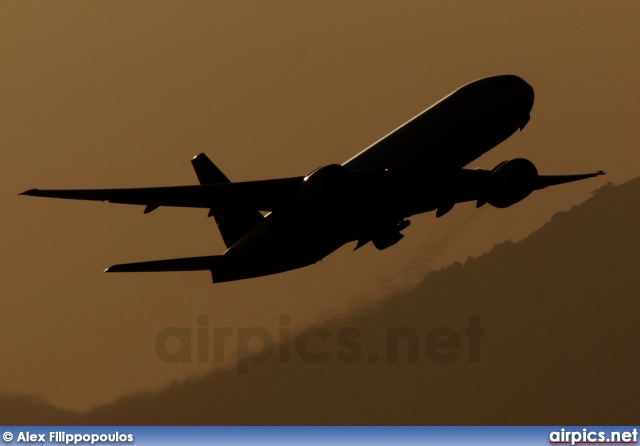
[232, 224]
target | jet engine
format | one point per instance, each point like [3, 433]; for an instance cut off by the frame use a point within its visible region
[324, 190]
[509, 182]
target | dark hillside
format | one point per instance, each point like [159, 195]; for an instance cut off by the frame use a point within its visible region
[559, 312]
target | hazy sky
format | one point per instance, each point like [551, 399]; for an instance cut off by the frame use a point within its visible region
[122, 94]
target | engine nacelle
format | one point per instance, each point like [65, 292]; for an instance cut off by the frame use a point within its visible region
[509, 182]
[325, 190]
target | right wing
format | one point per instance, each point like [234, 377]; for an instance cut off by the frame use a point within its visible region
[264, 195]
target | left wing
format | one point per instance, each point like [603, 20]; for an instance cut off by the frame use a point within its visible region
[264, 195]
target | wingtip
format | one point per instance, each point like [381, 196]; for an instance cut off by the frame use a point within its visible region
[29, 192]
[120, 268]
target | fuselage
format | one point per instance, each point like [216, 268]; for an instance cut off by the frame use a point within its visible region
[418, 163]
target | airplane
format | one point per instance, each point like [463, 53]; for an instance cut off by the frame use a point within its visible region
[277, 225]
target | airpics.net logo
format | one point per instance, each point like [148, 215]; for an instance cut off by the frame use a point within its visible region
[592, 436]
[315, 345]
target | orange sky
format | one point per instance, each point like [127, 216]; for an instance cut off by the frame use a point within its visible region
[121, 94]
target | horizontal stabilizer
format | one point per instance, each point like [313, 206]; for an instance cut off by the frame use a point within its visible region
[552, 180]
[184, 264]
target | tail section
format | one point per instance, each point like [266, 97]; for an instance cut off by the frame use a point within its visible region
[234, 224]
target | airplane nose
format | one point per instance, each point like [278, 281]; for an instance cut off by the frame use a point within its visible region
[510, 88]
[519, 96]
[523, 101]
[504, 97]
[523, 93]
[518, 89]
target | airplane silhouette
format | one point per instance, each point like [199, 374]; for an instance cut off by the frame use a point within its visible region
[419, 167]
